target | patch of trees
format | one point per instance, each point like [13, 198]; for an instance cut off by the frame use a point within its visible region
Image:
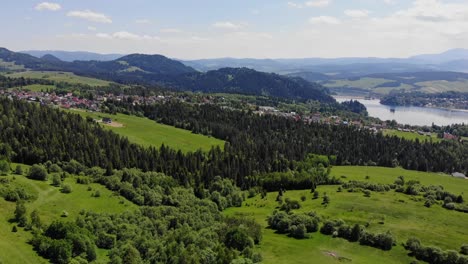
[172, 225]
[8, 82]
[295, 225]
[63, 241]
[354, 106]
[434, 255]
[357, 233]
[360, 185]
[432, 194]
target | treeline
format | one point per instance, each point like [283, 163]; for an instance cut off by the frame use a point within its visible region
[270, 143]
[446, 99]
[7, 82]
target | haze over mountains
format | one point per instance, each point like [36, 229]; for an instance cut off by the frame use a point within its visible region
[451, 60]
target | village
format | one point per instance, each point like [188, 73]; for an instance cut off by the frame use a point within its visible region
[70, 100]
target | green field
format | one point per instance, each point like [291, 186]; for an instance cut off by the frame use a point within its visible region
[147, 132]
[411, 135]
[67, 77]
[370, 85]
[50, 204]
[401, 214]
[444, 86]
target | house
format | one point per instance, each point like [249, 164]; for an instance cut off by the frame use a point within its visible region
[450, 136]
[106, 120]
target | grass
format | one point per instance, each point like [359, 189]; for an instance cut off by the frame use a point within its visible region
[147, 132]
[67, 77]
[411, 135]
[363, 83]
[50, 204]
[444, 86]
[401, 214]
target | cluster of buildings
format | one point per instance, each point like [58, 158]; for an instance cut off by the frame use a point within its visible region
[69, 100]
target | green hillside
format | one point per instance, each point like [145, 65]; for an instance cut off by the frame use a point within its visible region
[402, 214]
[50, 204]
[67, 77]
[146, 132]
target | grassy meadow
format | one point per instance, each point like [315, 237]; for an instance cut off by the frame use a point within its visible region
[411, 135]
[35, 88]
[147, 132]
[67, 77]
[403, 215]
[376, 85]
[50, 204]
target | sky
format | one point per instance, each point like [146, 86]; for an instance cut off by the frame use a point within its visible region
[194, 29]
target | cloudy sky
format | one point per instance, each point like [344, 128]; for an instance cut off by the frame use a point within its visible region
[191, 29]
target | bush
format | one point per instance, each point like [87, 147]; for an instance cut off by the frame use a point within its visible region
[56, 180]
[238, 238]
[37, 172]
[4, 167]
[450, 206]
[66, 188]
[316, 195]
[464, 249]
[19, 170]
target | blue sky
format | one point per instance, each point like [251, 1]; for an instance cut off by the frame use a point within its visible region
[245, 28]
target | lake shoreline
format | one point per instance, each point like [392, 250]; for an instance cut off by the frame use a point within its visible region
[429, 107]
[410, 115]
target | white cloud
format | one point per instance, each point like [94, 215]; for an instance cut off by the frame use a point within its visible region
[170, 30]
[91, 28]
[390, 2]
[357, 13]
[103, 35]
[48, 6]
[229, 25]
[318, 3]
[90, 16]
[324, 20]
[125, 35]
[143, 21]
[294, 5]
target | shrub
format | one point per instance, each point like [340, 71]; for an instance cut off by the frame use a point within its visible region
[4, 167]
[316, 195]
[37, 172]
[66, 188]
[464, 249]
[19, 170]
[56, 180]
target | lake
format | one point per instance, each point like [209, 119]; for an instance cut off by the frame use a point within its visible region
[411, 115]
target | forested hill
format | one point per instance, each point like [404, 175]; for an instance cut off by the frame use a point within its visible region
[162, 71]
[248, 81]
[256, 144]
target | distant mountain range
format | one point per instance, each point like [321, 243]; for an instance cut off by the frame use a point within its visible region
[73, 55]
[162, 71]
[452, 60]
